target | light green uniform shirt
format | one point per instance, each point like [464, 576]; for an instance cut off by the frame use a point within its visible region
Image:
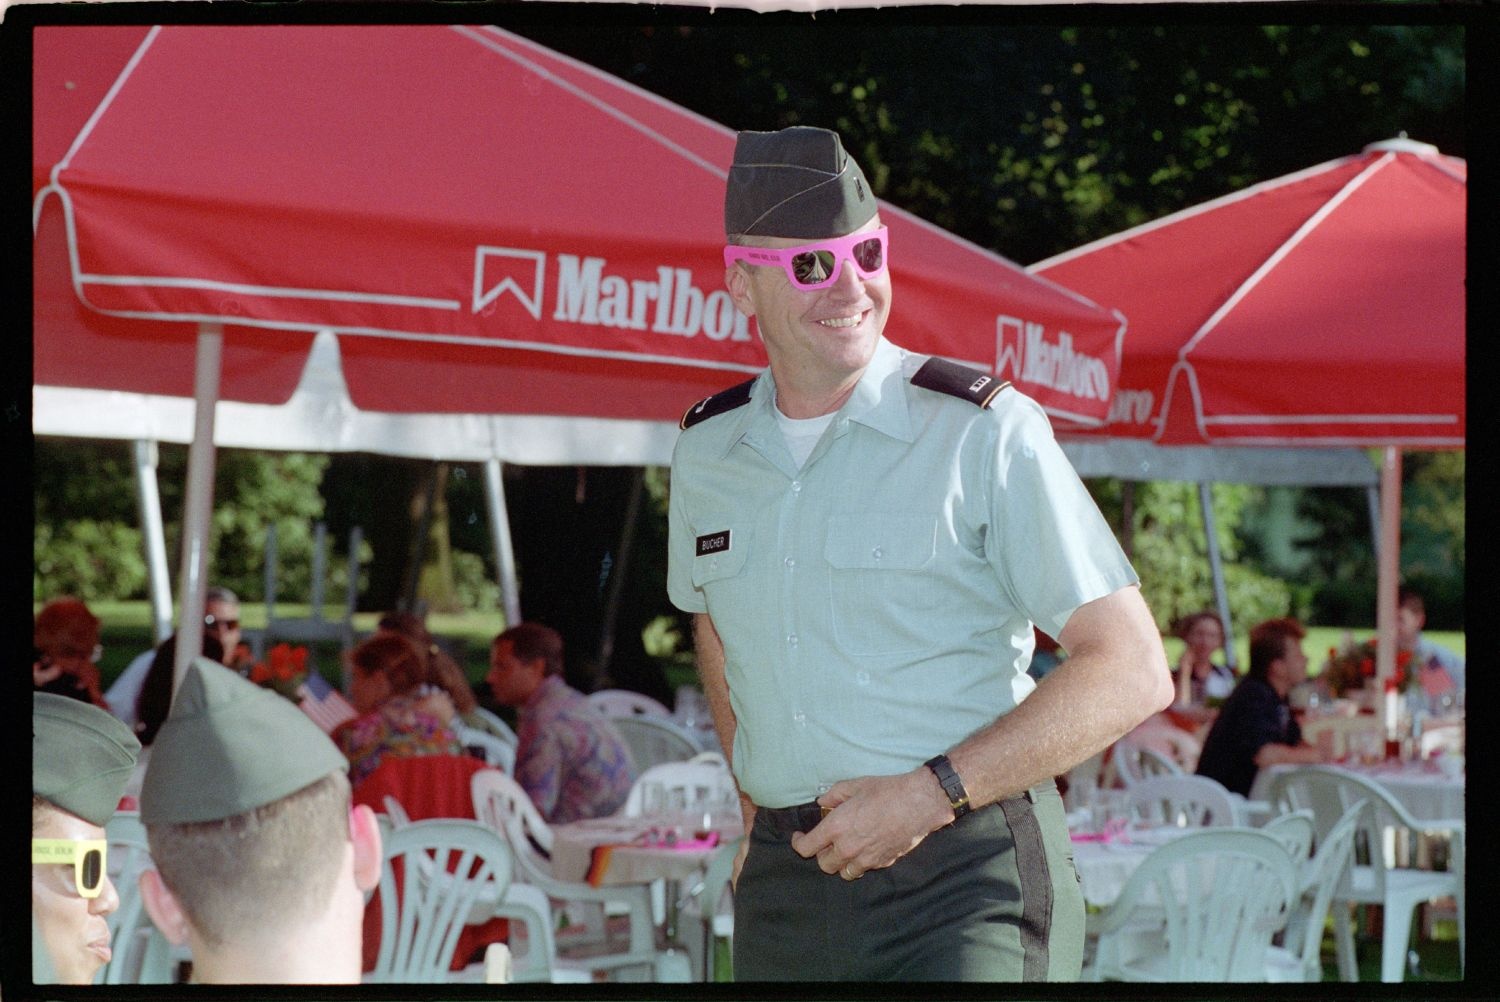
[876, 605]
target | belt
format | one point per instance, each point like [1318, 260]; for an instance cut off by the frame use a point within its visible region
[785, 821]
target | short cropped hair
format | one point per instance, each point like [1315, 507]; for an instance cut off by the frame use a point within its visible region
[1268, 641]
[258, 872]
[533, 640]
[218, 593]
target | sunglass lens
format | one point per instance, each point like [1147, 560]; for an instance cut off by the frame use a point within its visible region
[812, 267]
[868, 255]
[92, 870]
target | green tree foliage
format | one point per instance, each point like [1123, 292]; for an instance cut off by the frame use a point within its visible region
[88, 559]
[1170, 551]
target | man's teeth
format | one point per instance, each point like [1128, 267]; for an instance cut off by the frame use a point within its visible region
[841, 322]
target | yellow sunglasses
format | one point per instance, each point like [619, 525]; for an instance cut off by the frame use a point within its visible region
[86, 855]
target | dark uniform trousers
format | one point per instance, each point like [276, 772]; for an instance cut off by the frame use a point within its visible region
[992, 897]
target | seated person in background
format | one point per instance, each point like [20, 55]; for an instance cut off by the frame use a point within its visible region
[1202, 634]
[221, 621]
[444, 669]
[65, 642]
[1255, 727]
[1439, 670]
[261, 860]
[403, 708]
[570, 759]
[80, 760]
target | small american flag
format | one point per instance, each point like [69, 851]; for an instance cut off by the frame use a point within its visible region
[324, 704]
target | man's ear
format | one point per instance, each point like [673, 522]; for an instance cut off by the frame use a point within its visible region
[738, 284]
[163, 907]
[364, 833]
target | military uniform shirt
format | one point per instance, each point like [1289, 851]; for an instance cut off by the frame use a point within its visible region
[876, 605]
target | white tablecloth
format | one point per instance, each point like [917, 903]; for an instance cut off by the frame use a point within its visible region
[1104, 867]
[1426, 792]
[573, 845]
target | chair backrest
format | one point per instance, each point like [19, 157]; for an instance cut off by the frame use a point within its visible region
[427, 786]
[495, 725]
[1185, 801]
[712, 757]
[624, 703]
[503, 805]
[653, 741]
[496, 751]
[694, 778]
[1223, 894]
[1294, 830]
[444, 867]
[1158, 763]
[140, 954]
[1329, 792]
[1322, 877]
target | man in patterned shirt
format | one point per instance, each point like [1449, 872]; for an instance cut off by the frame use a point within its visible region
[570, 759]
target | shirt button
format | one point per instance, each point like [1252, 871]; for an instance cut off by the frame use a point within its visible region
[823, 788]
[792, 640]
[877, 553]
[790, 563]
[800, 718]
[863, 678]
[713, 564]
[796, 487]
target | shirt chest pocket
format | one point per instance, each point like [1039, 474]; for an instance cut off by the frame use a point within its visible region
[880, 568]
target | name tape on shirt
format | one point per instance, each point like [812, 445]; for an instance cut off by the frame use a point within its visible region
[714, 542]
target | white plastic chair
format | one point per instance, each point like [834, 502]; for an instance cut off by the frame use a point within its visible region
[711, 757]
[1169, 741]
[692, 777]
[1299, 958]
[495, 725]
[709, 904]
[450, 867]
[1295, 831]
[1184, 801]
[1157, 763]
[624, 703]
[503, 805]
[653, 741]
[1374, 876]
[497, 751]
[141, 955]
[1219, 895]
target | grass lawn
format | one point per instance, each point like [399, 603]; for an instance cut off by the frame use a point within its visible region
[127, 632]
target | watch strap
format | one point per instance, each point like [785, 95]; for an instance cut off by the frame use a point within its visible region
[958, 797]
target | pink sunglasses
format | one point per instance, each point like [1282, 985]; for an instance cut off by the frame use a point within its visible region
[817, 265]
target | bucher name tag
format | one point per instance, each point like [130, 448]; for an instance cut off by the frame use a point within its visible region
[716, 542]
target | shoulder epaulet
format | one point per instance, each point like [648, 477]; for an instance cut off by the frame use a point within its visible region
[962, 381]
[719, 403]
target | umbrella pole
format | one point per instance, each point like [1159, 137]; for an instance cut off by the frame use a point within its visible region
[1221, 594]
[505, 554]
[1390, 571]
[198, 506]
[148, 500]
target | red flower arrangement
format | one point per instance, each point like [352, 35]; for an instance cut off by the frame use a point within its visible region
[1354, 666]
[284, 670]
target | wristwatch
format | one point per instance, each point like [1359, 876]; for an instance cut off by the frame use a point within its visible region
[958, 797]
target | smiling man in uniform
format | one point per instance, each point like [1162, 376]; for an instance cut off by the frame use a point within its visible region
[866, 538]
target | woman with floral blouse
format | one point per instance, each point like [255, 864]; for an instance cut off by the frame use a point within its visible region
[403, 709]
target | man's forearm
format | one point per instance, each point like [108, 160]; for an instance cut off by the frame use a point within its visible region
[1114, 677]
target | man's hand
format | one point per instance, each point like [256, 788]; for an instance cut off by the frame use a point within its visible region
[874, 822]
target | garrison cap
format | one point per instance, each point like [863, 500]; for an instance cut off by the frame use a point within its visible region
[797, 182]
[81, 757]
[228, 747]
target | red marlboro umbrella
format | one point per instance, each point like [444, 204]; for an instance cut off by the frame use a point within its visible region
[1321, 308]
[487, 226]
[490, 228]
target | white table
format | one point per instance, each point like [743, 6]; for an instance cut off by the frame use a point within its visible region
[1425, 791]
[573, 848]
[1104, 866]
